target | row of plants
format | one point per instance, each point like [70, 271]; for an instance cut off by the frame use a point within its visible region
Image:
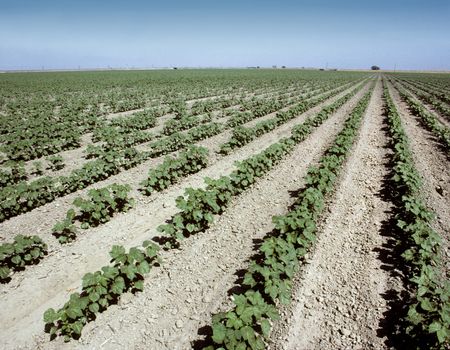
[438, 105]
[428, 303]
[257, 109]
[436, 91]
[98, 208]
[82, 307]
[199, 206]
[102, 288]
[138, 121]
[172, 169]
[428, 120]
[24, 250]
[14, 171]
[176, 125]
[242, 135]
[40, 140]
[116, 138]
[268, 280]
[23, 197]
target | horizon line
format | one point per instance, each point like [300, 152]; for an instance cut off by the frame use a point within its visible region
[274, 67]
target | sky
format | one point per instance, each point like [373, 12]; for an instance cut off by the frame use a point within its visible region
[401, 34]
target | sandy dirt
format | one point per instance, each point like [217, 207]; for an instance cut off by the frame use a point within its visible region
[47, 284]
[341, 296]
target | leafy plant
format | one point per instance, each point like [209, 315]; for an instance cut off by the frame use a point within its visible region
[24, 250]
[269, 277]
[169, 172]
[56, 162]
[102, 289]
[38, 170]
[65, 230]
[102, 204]
[428, 315]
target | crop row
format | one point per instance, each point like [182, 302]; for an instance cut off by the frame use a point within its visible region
[46, 134]
[437, 92]
[242, 135]
[199, 206]
[428, 316]
[22, 197]
[97, 209]
[427, 119]
[268, 280]
[82, 307]
[24, 250]
[172, 169]
[439, 106]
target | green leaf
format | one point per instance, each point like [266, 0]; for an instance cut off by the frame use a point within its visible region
[77, 327]
[94, 296]
[4, 272]
[94, 308]
[443, 335]
[118, 286]
[265, 327]
[74, 312]
[139, 285]
[434, 327]
[50, 316]
[219, 333]
[427, 305]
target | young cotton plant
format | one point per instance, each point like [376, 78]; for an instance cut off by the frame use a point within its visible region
[97, 209]
[102, 204]
[102, 289]
[172, 169]
[24, 250]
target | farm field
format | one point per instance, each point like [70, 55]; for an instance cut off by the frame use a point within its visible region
[235, 209]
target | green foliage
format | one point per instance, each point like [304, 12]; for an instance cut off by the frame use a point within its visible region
[12, 175]
[41, 138]
[242, 135]
[429, 121]
[101, 289]
[102, 204]
[176, 125]
[269, 277]
[38, 168]
[428, 316]
[172, 169]
[65, 230]
[56, 162]
[199, 206]
[24, 250]
[97, 209]
[138, 121]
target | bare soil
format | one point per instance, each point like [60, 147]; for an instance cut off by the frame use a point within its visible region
[341, 296]
[49, 283]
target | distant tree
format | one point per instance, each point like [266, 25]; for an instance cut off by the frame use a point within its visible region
[283, 67]
[375, 68]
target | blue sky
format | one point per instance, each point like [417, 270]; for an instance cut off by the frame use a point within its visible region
[343, 34]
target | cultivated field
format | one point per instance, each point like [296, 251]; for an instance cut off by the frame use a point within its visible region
[235, 209]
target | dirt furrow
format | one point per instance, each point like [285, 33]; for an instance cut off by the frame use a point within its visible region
[179, 298]
[41, 220]
[442, 119]
[434, 167]
[338, 296]
[75, 158]
[48, 284]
